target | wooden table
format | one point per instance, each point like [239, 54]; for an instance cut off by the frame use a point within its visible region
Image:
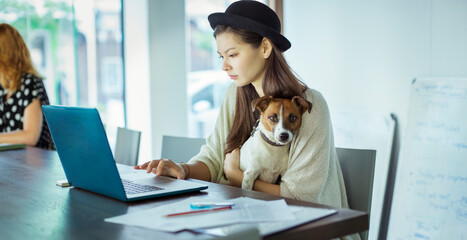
[33, 207]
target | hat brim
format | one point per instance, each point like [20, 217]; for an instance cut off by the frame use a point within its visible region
[248, 24]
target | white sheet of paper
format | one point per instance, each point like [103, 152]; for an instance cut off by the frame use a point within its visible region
[302, 215]
[245, 210]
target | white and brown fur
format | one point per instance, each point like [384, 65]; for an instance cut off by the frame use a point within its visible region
[265, 154]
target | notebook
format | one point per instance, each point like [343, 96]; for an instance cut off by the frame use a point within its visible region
[11, 146]
[87, 159]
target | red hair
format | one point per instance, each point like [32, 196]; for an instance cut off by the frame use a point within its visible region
[15, 59]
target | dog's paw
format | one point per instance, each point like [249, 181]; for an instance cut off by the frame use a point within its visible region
[247, 183]
[247, 186]
[249, 178]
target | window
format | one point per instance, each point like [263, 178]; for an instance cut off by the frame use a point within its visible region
[99, 48]
[77, 47]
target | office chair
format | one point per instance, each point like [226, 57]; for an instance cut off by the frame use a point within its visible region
[127, 146]
[180, 149]
[358, 167]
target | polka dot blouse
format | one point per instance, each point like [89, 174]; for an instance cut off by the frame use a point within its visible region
[12, 110]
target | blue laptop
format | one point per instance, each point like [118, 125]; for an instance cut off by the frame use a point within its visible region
[87, 159]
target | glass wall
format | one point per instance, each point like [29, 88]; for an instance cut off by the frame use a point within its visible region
[47, 28]
[77, 47]
[100, 61]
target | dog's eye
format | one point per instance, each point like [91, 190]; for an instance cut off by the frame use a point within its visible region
[292, 118]
[273, 118]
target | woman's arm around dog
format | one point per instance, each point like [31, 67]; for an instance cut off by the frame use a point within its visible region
[235, 175]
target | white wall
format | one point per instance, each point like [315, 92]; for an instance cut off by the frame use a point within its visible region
[364, 54]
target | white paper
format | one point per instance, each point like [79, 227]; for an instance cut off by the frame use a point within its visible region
[245, 210]
[302, 215]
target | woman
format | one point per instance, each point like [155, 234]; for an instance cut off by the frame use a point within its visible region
[21, 94]
[250, 44]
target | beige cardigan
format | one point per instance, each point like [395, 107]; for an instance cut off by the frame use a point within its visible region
[313, 173]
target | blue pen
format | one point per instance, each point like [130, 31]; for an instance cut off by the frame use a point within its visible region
[200, 205]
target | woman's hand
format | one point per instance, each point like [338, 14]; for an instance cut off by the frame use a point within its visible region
[164, 167]
[232, 168]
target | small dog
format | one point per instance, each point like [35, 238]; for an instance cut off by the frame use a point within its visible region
[265, 154]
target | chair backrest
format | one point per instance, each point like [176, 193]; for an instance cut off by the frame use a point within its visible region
[358, 167]
[127, 146]
[180, 149]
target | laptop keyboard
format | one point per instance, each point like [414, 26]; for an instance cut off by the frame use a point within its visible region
[134, 188]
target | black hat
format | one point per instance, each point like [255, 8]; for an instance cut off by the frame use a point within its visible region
[253, 16]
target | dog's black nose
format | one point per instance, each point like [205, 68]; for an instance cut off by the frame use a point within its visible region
[284, 137]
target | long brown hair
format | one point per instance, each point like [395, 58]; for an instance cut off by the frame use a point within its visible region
[279, 82]
[15, 59]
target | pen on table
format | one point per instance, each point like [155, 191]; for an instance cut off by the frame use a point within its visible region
[201, 205]
[198, 211]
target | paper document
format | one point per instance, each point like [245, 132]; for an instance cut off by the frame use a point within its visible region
[302, 216]
[243, 211]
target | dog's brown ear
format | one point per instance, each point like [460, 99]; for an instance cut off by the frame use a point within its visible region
[302, 104]
[261, 103]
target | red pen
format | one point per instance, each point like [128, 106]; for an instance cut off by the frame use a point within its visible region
[198, 211]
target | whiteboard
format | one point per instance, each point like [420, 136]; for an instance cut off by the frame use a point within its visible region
[368, 130]
[430, 195]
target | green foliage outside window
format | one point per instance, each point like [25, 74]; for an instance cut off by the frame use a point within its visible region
[26, 17]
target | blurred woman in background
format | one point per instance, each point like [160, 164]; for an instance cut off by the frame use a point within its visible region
[22, 93]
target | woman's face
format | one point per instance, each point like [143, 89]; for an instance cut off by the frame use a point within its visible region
[243, 63]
